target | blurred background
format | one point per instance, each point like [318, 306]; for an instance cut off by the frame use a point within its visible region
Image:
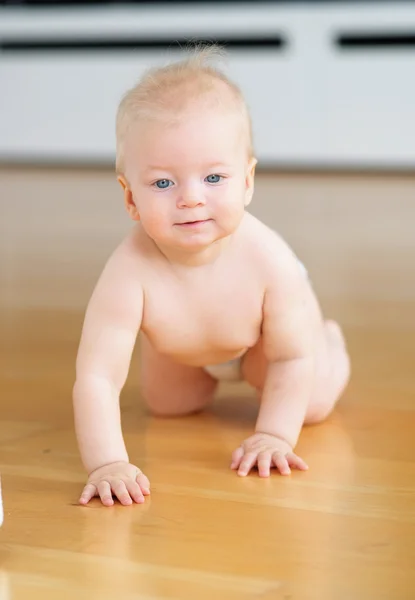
[330, 84]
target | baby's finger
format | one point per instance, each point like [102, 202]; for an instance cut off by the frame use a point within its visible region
[104, 491]
[237, 456]
[264, 464]
[296, 462]
[144, 483]
[281, 463]
[135, 491]
[247, 463]
[89, 492]
[120, 490]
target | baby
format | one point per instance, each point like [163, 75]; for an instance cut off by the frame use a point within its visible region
[211, 290]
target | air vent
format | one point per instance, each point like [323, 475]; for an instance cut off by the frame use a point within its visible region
[93, 45]
[376, 41]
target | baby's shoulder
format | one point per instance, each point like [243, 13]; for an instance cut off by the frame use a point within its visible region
[124, 262]
[134, 249]
[268, 247]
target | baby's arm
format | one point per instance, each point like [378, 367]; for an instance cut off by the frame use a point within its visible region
[112, 321]
[290, 318]
[289, 326]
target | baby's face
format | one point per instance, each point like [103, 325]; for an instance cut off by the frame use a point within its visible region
[190, 181]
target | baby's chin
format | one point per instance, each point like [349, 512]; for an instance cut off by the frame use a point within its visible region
[193, 242]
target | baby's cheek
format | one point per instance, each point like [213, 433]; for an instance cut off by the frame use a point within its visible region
[153, 221]
[233, 210]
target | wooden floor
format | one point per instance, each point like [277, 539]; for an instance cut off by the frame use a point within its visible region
[344, 530]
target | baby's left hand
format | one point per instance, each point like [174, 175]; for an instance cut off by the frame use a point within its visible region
[266, 451]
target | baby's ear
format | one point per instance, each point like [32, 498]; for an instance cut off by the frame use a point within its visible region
[249, 181]
[128, 199]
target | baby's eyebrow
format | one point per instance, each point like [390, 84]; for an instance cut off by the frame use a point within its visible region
[155, 168]
[218, 166]
[207, 167]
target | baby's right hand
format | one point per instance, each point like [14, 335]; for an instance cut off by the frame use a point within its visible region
[122, 479]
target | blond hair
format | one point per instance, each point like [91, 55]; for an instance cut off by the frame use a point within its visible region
[171, 91]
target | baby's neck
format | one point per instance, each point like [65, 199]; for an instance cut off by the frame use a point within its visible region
[197, 258]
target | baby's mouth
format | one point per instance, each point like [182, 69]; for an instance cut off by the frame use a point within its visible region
[189, 223]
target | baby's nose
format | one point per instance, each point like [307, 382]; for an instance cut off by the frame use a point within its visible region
[191, 200]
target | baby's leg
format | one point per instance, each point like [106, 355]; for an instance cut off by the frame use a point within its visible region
[171, 389]
[332, 371]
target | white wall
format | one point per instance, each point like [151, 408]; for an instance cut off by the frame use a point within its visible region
[312, 103]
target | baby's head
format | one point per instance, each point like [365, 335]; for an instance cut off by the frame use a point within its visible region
[184, 152]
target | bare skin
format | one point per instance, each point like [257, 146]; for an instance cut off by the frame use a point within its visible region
[220, 286]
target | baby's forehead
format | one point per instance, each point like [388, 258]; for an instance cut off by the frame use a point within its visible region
[218, 122]
[195, 136]
[194, 141]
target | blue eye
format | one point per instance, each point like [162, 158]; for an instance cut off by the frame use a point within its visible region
[163, 184]
[213, 178]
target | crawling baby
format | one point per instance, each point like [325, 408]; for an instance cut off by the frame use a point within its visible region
[212, 291]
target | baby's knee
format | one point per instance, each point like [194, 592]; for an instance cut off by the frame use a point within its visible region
[318, 413]
[326, 395]
[173, 406]
[171, 413]
[159, 407]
